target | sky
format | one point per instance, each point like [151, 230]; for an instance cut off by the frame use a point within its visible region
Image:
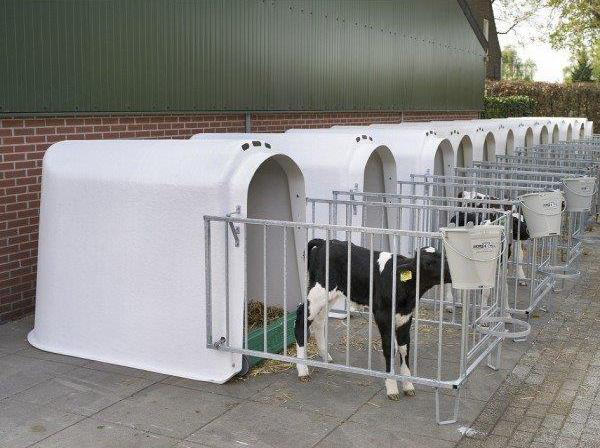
[549, 62]
[530, 45]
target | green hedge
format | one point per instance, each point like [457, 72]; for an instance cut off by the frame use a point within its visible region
[508, 106]
[580, 99]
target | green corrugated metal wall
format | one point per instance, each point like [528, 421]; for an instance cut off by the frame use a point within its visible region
[81, 56]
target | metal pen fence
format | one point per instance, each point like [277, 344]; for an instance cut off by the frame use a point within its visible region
[451, 332]
[446, 349]
[542, 253]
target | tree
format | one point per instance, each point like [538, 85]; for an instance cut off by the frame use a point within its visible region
[565, 23]
[575, 22]
[595, 60]
[581, 70]
[513, 67]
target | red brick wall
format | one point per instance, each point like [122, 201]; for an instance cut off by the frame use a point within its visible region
[23, 142]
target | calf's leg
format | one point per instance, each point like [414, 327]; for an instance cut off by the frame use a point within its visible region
[403, 340]
[319, 332]
[315, 304]
[385, 330]
[303, 373]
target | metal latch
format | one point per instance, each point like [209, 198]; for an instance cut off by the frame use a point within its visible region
[235, 230]
[354, 207]
[219, 343]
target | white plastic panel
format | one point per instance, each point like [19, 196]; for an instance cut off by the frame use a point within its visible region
[121, 251]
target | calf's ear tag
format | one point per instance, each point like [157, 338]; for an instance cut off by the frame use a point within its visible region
[405, 276]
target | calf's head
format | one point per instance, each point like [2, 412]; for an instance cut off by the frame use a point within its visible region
[431, 267]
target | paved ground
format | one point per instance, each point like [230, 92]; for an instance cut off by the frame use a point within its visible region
[550, 398]
[544, 393]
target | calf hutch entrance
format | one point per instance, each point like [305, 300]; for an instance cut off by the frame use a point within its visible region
[544, 135]
[464, 153]
[555, 134]
[489, 148]
[276, 192]
[510, 143]
[529, 138]
[345, 160]
[122, 249]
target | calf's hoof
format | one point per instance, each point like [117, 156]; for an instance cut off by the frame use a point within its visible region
[394, 397]
[409, 393]
[304, 378]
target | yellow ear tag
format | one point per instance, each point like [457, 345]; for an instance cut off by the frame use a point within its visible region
[405, 276]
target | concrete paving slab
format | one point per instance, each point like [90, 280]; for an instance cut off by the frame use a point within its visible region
[263, 425]
[351, 434]
[168, 410]
[83, 391]
[382, 413]
[12, 340]
[122, 370]
[23, 424]
[92, 433]
[552, 395]
[480, 385]
[188, 444]
[326, 393]
[18, 373]
[23, 325]
[236, 387]
[32, 352]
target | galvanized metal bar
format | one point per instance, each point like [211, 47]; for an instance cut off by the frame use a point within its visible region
[327, 253]
[226, 274]
[342, 368]
[305, 298]
[348, 295]
[417, 309]
[208, 281]
[285, 276]
[369, 357]
[265, 346]
[245, 286]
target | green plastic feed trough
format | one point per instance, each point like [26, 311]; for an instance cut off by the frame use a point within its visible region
[274, 337]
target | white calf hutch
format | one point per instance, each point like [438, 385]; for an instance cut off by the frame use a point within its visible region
[336, 161]
[524, 135]
[555, 131]
[589, 128]
[121, 251]
[579, 128]
[483, 134]
[503, 133]
[462, 145]
[415, 150]
[568, 130]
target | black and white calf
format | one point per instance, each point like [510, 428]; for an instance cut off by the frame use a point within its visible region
[382, 273]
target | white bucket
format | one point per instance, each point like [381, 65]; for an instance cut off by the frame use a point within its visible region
[472, 254]
[542, 212]
[579, 192]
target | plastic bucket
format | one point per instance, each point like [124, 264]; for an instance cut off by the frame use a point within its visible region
[472, 254]
[579, 192]
[542, 212]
